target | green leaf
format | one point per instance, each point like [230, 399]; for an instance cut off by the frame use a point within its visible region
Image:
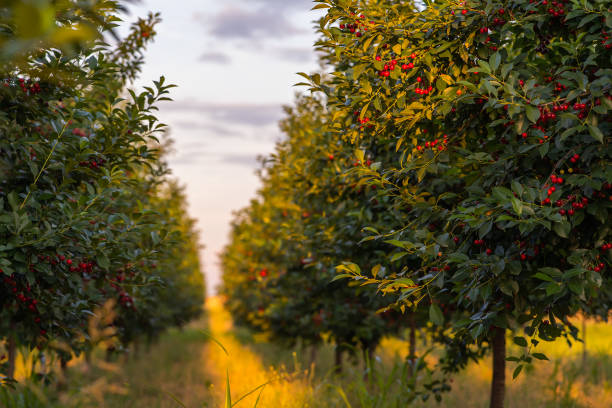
[590, 17]
[543, 277]
[517, 371]
[103, 261]
[364, 110]
[506, 69]
[376, 269]
[358, 70]
[553, 288]
[520, 341]
[539, 356]
[360, 154]
[435, 315]
[517, 188]
[342, 276]
[533, 113]
[228, 394]
[596, 133]
[494, 61]
[562, 228]
[517, 205]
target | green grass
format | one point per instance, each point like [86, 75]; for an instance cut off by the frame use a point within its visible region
[186, 368]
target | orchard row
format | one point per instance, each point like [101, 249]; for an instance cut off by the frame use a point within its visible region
[451, 170]
[88, 213]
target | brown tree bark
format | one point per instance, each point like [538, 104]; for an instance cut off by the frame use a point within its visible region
[367, 354]
[412, 345]
[584, 345]
[62, 380]
[313, 354]
[12, 356]
[109, 354]
[498, 384]
[338, 360]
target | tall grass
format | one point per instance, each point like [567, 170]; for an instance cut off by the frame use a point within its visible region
[187, 369]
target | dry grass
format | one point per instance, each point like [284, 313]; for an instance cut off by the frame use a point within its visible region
[247, 370]
[187, 366]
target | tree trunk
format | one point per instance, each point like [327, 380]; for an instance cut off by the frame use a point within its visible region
[43, 364]
[62, 380]
[338, 361]
[584, 345]
[12, 356]
[313, 354]
[109, 354]
[412, 345]
[498, 384]
[368, 352]
[136, 349]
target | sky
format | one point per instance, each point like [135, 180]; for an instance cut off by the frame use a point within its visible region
[234, 62]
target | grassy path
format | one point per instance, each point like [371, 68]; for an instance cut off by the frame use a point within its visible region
[248, 370]
[187, 366]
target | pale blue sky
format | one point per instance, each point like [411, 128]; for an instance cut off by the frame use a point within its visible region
[235, 63]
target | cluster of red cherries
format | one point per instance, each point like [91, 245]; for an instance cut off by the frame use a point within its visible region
[24, 299]
[93, 164]
[32, 88]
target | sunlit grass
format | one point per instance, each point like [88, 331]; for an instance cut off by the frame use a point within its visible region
[288, 386]
[187, 367]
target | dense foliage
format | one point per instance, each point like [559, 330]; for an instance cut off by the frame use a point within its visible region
[285, 246]
[483, 129]
[87, 211]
